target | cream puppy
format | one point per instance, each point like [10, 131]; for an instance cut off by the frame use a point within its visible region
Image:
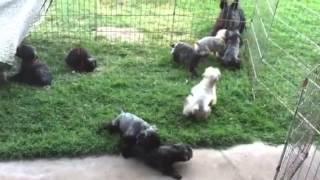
[203, 95]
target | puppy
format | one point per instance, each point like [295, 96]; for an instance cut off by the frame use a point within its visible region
[212, 44]
[32, 71]
[203, 95]
[134, 130]
[163, 157]
[231, 17]
[184, 53]
[80, 60]
[231, 55]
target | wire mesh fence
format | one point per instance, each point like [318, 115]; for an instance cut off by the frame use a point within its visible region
[301, 159]
[283, 47]
[138, 21]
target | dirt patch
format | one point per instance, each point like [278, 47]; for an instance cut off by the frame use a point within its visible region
[119, 34]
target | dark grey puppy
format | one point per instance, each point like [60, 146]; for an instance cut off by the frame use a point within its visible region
[134, 131]
[231, 55]
[163, 157]
[80, 60]
[184, 53]
[32, 71]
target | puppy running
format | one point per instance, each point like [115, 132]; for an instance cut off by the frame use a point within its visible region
[203, 95]
[32, 71]
[163, 157]
[231, 55]
[184, 53]
[212, 44]
[134, 131]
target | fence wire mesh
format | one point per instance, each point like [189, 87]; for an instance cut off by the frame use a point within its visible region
[283, 47]
[137, 21]
[300, 159]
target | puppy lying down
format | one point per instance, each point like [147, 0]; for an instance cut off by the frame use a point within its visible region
[134, 130]
[203, 95]
[163, 157]
[32, 71]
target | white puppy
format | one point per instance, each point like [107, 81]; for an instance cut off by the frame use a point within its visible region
[203, 95]
[212, 44]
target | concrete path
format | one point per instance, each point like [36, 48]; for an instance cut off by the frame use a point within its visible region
[244, 162]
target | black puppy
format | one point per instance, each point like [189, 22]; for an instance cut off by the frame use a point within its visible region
[80, 60]
[32, 71]
[231, 17]
[184, 53]
[163, 157]
[231, 55]
[134, 131]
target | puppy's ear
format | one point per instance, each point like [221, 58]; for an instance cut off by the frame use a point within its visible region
[223, 3]
[234, 5]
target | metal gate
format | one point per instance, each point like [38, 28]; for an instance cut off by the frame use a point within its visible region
[300, 158]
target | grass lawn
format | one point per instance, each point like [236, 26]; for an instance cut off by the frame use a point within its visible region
[139, 78]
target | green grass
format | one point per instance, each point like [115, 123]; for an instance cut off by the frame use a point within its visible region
[62, 120]
[139, 78]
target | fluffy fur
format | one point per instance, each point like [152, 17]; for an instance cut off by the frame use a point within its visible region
[80, 60]
[32, 71]
[203, 95]
[163, 157]
[212, 44]
[231, 17]
[231, 55]
[134, 131]
[184, 53]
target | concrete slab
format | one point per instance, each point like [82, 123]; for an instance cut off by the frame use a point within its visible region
[244, 162]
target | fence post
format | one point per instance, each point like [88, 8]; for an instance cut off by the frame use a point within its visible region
[274, 15]
[173, 20]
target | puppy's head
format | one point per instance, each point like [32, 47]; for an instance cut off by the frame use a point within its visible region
[26, 53]
[173, 45]
[221, 34]
[232, 36]
[91, 64]
[212, 73]
[181, 152]
[201, 50]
